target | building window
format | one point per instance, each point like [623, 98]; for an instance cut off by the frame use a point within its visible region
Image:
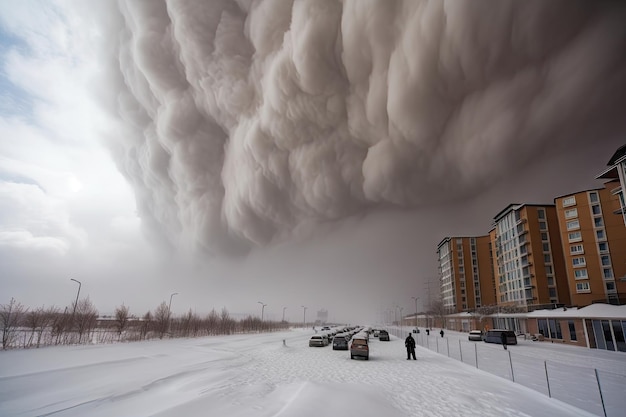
[547, 258]
[606, 260]
[573, 225]
[582, 287]
[593, 197]
[572, 330]
[576, 250]
[546, 247]
[571, 213]
[580, 261]
[600, 234]
[603, 247]
[595, 209]
[548, 269]
[597, 222]
[607, 273]
[541, 213]
[550, 280]
[569, 201]
[610, 286]
[580, 274]
[544, 236]
[552, 292]
[574, 237]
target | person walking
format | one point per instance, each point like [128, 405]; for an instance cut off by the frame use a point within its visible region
[503, 340]
[441, 332]
[410, 347]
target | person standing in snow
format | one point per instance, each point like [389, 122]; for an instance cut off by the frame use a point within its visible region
[503, 339]
[441, 332]
[410, 347]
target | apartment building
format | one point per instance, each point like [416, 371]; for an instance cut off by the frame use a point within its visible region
[594, 244]
[465, 272]
[617, 171]
[527, 257]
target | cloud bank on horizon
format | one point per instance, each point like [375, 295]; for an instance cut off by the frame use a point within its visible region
[242, 122]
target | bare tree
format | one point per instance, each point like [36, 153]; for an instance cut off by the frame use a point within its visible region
[438, 310]
[60, 323]
[121, 319]
[226, 323]
[34, 321]
[86, 318]
[161, 319]
[146, 325]
[212, 322]
[10, 316]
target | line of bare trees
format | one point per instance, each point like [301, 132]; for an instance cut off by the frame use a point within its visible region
[81, 324]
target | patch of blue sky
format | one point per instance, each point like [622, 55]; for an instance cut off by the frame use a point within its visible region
[14, 100]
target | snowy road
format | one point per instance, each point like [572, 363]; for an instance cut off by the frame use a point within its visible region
[255, 375]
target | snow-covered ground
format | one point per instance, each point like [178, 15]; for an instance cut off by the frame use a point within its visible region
[258, 375]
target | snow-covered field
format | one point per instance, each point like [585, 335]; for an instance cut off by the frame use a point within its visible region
[259, 375]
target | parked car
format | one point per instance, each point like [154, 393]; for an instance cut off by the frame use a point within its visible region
[494, 336]
[383, 335]
[475, 335]
[359, 347]
[340, 342]
[376, 332]
[318, 340]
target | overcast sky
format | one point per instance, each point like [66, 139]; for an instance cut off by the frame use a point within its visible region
[307, 153]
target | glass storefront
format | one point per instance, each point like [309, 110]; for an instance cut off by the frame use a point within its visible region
[609, 334]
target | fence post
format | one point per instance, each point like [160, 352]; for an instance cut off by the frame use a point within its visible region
[461, 351]
[545, 365]
[448, 345]
[437, 343]
[476, 354]
[511, 363]
[600, 389]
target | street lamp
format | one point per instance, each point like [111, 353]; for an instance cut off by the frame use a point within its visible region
[415, 298]
[262, 309]
[304, 318]
[284, 308]
[169, 310]
[77, 294]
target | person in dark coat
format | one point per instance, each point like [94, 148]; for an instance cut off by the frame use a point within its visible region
[441, 332]
[427, 332]
[410, 347]
[503, 339]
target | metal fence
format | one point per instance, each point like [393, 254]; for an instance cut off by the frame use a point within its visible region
[600, 392]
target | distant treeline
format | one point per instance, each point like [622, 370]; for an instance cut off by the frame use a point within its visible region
[80, 323]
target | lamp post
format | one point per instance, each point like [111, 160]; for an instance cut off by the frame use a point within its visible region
[415, 298]
[284, 308]
[77, 294]
[304, 317]
[169, 311]
[262, 308]
[395, 316]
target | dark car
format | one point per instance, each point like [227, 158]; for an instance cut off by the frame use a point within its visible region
[383, 335]
[340, 342]
[495, 336]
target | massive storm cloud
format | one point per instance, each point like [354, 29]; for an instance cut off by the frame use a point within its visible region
[244, 121]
